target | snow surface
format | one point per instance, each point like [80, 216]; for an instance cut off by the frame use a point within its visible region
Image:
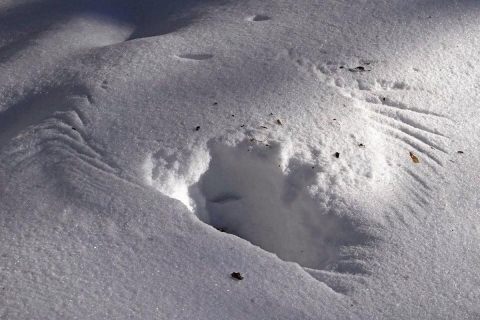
[151, 148]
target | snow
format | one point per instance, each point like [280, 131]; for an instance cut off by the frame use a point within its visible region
[149, 149]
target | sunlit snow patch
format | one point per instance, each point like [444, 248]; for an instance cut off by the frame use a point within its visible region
[168, 173]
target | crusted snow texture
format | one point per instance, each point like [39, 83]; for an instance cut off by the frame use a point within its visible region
[150, 149]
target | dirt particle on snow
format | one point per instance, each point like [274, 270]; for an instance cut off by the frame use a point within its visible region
[358, 69]
[237, 275]
[414, 158]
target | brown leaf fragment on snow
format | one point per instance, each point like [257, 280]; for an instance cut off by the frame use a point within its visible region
[459, 151]
[237, 275]
[279, 122]
[414, 158]
[361, 145]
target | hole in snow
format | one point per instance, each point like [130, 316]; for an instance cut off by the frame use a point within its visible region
[250, 196]
[260, 17]
[250, 191]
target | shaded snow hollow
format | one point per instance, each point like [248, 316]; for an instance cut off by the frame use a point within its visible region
[254, 191]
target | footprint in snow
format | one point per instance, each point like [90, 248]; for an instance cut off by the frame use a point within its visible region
[190, 56]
